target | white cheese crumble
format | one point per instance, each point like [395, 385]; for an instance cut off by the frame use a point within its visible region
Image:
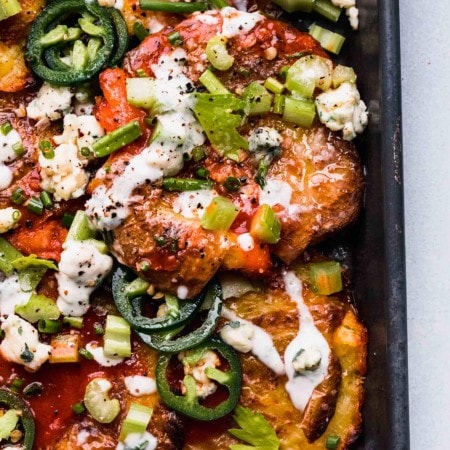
[139, 385]
[51, 103]
[342, 109]
[11, 295]
[192, 204]
[350, 9]
[100, 357]
[7, 155]
[81, 269]
[246, 242]
[276, 192]
[64, 174]
[238, 22]
[204, 385]
[307, 359]
[8, 219]
[238, 335]
[177, 133]
[144, 441]
[182, 292]
[21, 344]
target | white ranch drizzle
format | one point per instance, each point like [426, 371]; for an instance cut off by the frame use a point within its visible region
[300, 387]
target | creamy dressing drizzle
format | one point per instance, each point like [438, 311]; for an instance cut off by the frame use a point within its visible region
[300, 387]
[262, 343]
[177, 133]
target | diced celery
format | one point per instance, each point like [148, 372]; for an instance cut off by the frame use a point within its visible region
[278, 104]
[265, 225]
[136, 288]
[258, 98]
[49, 326]
[300, 112]
[64, 348]
[212, 83]
[342, 74]
[38, 307]
[141, 92]
[9, 8]
[308, 73]
[326, 9]
[80, 229]
[136, 421]
[117, 337]
[296, 5]
[325, 277]
[219, 214]
[8, 254]
[8, 423]
[273, 85]
[217, 53]
[75, 322]
[329, 40]
[97, 401]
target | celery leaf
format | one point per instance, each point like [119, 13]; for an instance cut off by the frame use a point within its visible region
[255, 430]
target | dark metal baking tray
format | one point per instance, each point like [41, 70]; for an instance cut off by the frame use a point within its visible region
[379, 245]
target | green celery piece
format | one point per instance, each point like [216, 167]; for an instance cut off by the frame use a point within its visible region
[81, 228]
[9, 8]
[8, 423]
[255, 430]
[258, 99]
[38, 307]
[25, 262]
[225, 101]
[7, 255]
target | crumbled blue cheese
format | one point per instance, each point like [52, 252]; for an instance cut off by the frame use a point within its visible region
[176, 134]
[246, 242]
[263, 139]
[7, 155]
[21, 344]
[11, 295]
[64, 174]
[238, 335]
[8, 219]
[144, 441]
[51, 103]
[138, 385]
[350, 9]
[99, 355]
[342, 109]
[81, 269]
[237, 22]
[307, 359]
[204, 385]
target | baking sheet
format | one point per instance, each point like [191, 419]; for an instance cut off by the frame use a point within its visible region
[380, 286]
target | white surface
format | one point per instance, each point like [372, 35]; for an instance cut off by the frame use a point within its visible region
[425, 40]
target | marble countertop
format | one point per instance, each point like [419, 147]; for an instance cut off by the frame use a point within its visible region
[425, 52]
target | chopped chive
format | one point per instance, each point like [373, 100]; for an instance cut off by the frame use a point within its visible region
[173, 7]
[175, 38]
[47, 149]
[18, 149]
[232, 184]
[243, 71]
[78, 408]
[98, 329]
[16, 384]
[332, 442]
[49, 326]
[86, 152]
[46, 199]
[67, 220]
[85, 353]
[35, 205]
[18, 196]
[283, 71]
[273, 85]
[144, 266]
[141, 73]
[5, 128]
[186, 184]
[140, 31]
[75, 322]
[261, 173]
[117, 139]
[278, 104]
[202, 172]
[198, 154]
